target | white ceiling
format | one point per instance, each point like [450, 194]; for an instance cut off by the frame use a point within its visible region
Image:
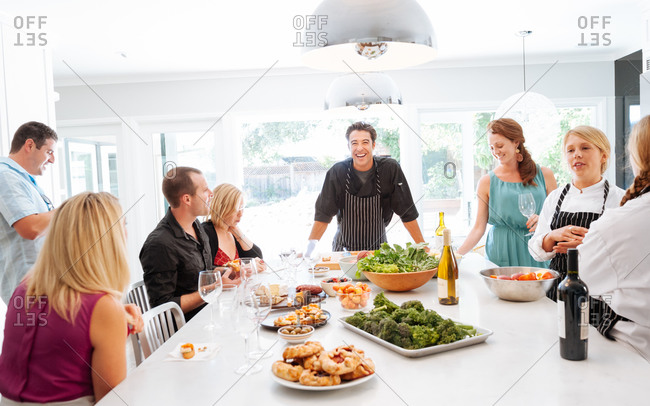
[165, 38]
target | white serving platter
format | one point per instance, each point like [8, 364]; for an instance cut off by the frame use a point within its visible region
[483, 335]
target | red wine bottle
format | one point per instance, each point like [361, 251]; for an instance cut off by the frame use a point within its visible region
[573, 312]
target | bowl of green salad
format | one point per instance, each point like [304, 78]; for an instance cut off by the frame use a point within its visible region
[399, 269]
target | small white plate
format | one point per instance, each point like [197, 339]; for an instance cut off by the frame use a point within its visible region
[343, 385]
[319, 271]
[209, 351]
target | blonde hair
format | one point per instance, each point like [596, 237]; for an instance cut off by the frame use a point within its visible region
[639, 149]
[225, 202]
[84, 252]
[594, 136]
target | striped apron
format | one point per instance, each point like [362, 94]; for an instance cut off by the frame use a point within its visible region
[562, 219]
[603, 317]
[362, 223]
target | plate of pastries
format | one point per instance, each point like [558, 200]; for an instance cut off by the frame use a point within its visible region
[310, 367]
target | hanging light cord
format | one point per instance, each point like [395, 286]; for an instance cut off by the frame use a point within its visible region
[523, 34]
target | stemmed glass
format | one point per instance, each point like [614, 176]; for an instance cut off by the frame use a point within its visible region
[295, 259]
[527, 206]
[284, 257]
[253, 307]
[244, 324]
[312, 260]
[210, 287]
[248, 269]
[263, 303]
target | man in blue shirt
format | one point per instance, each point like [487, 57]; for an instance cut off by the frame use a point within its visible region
[25, 211]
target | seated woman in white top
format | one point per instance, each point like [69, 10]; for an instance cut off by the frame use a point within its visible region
[569, 211]
[615, 255]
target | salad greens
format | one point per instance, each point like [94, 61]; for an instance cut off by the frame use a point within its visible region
[396, 259]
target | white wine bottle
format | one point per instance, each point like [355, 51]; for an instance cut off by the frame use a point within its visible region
[573, 312]
[437, 238]
[447, 273]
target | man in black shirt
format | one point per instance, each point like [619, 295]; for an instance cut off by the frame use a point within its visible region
[178, 248]
[363, 192]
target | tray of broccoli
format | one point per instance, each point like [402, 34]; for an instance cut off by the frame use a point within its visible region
[411, 330]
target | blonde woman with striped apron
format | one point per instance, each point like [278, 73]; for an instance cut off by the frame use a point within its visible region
[568, 212]
[363, 192]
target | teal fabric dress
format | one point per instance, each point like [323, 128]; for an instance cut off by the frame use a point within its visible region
[507, 243]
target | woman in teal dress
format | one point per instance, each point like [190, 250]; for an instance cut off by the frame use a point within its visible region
[498, 198]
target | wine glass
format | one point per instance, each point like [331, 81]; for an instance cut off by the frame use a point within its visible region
[527, 206]
[248, 269]
[227, 299]
[244, 324]
[295, 259]
[312, 260]
[262, 302]
[210, 286]
[284, 257]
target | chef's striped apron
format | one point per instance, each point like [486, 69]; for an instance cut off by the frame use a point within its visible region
[362, 223]
[562, 219]
[603, 317]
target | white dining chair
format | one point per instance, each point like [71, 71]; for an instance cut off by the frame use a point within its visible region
[137, 295]
[160, 323]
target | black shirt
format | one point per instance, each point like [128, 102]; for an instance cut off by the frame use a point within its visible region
[208, 227]
[172, 259]
[395, 192]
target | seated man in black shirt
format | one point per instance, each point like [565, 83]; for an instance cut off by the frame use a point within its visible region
[178, 248]
[363, 192]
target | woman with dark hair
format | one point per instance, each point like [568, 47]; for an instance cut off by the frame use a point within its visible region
[498, 197]
[614, 260]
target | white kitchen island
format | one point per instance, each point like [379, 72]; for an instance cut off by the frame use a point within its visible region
[519, 364]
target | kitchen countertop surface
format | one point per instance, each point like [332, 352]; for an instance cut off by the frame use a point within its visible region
[519, 364]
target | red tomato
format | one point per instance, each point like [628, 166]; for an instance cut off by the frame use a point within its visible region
[548, 275]
[504, 277]
[528, 277]
[493, 276]
[516, 276]
[363, 254]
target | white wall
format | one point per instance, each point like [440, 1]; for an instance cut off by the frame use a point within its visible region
[26, 93]
[306, 92]
[152, 106]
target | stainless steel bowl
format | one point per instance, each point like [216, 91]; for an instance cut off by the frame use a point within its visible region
[517, 291]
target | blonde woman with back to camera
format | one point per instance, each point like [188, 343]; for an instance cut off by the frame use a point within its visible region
[66, 330]
[615, 256]
[568, 212]
[498, 197]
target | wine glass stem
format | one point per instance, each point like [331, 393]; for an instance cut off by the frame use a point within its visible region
[246, 350]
